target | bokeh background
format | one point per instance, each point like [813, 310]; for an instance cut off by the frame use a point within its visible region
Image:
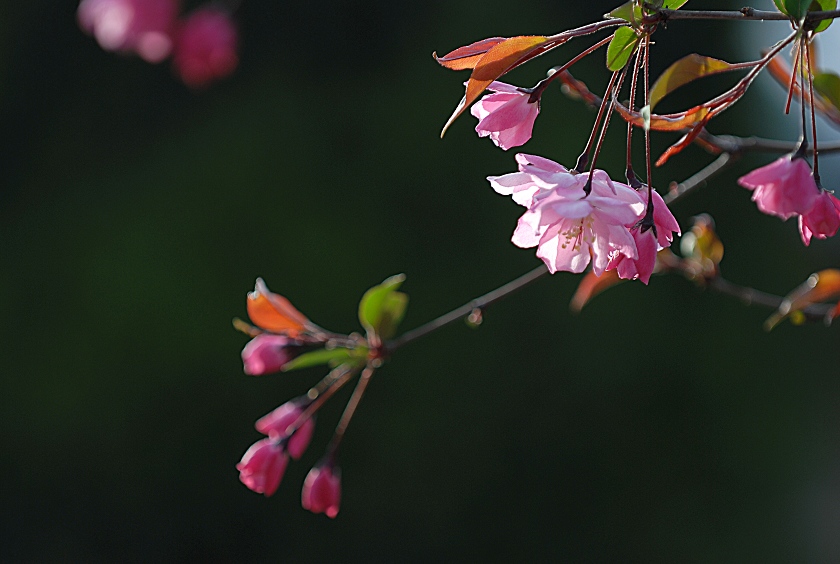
[660, 424]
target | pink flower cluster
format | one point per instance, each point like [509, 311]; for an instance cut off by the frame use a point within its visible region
[203, 45]
[571, 228]
[786, 188]
[289, 430]
[507, 116]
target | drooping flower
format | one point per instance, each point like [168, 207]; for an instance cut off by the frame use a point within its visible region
[822, 220]
[322, 490]
[141, 26]
[276, 425]
[206, 48]
[783, 188]
[265, 354]
[507, 116]
[261, 468]
[569, 227]
[647, 243]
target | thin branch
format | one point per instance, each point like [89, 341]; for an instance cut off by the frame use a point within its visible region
[742, 14]
[677, 191]
[751, 296]
[466, 309]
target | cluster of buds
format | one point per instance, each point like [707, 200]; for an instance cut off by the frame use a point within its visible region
[284, 339]
[203, 44]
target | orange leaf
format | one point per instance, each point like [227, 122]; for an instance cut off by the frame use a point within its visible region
[832, 314]
[666, 122]
[592, 285]
[466, 57]
[275, 313]
[498, 60]
[684, 142]
[819, 287]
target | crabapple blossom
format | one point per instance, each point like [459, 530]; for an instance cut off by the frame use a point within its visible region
[535, 174]
[262, 466]
[648, 242]
[506, 116]
[276, 423]
[322, 490]
[268, 353]
[206, 47]
[142, 26]
[822, 220]
[569, 227]
[783, 188]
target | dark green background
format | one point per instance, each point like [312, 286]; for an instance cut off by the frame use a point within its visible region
[661, 424]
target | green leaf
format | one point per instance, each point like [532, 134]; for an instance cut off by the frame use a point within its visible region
[382, 308]
[796, 9]
[823, 6]
[333, 357]
[622, 46]
[827, 84]
[673, 4]
[629, 11]
[683, 71]
[780, 5]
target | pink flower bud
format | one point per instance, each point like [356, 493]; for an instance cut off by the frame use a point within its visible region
[507, 116]
[783, 188]
[266, 353]
[276, 423]
[822, 220]
[206, 47]
[141, 26]
[262, 466]
[322, 490]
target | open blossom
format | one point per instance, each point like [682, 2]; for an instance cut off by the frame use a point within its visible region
[536, 174]
[276, 425]
[647, 244]
[570, 228]
[262, 466]
[267, 353]
[322, 490]
[822, 220]
[783, 188]
[207, 47]
[142, 26]
[506, 116]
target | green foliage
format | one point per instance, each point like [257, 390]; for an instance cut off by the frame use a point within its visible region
[622, 46]
[828, 85]
[821, 6]
[331, 357]
[382, 308]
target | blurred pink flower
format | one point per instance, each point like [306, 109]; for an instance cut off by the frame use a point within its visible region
[278, 421]
[822, 220]
[506, 116]
[206, 48]
[783, 188]
[647, 244]
[140, 26]
[267, 353]
[569, 228]
[262, 466]
[322, 490]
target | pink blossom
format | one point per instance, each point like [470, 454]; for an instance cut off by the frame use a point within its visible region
[507, 115]
[262, 466]
[536, 174]
[142, 26]
[647, 244]
[206, 48]
[276, 423]
[783, 188]
[322, 490]
[267, 353]
[822, 220]
[568, 227]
